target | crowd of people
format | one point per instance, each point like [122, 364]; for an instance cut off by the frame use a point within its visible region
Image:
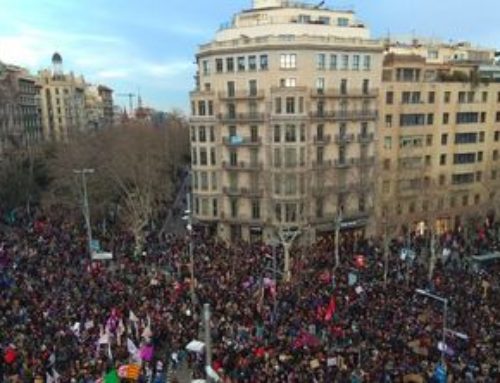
[66, 318]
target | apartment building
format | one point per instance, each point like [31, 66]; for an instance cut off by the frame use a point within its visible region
[283, 121]
[438, 139]
[98, 107]
[20, 123]
[62, 102]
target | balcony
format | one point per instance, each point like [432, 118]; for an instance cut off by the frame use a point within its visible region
[202, 93]
[241, 141]
[322, 140]
[351, 93]
[322, 165]
[342, 164]
[202, 118]
[232, 192]
[226, 217]
[241, 95]
[242, 117]
[289, 89]
[243, 192]
[344, 138]
[248, 166]
[363, 161]
[345, 115]
[366, 138]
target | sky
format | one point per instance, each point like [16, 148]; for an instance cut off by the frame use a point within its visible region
[150, 45]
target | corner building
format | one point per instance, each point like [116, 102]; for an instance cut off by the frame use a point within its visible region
[283, 121]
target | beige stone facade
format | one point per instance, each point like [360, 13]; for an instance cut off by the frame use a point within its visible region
[283, 123]
[438, 142]
[62, 102]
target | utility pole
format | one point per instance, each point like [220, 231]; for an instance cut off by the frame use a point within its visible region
[85, 205]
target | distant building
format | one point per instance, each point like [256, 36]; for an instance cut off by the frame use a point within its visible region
[98, 107]
[62, 102]
[20, 122]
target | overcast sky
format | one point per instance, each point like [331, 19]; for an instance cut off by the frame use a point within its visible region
[150, 44]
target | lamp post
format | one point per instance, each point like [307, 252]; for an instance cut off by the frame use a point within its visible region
[337, 237]
[189, 228]
[85, 205]
[445, 309]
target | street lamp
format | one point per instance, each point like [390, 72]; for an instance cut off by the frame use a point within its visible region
[189, 217]
[445, 309]
[337, 237]
[85, 206]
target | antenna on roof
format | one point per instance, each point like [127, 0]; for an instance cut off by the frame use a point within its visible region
[320, 4]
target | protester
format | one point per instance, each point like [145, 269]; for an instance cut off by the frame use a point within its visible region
[65, 318]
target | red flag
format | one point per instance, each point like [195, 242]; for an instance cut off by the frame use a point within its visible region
[330, 310]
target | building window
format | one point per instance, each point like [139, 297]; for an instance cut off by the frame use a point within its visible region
[212, 134]
[202, 134]
[355, 62]
[204, 180]
[442, 159]
[319, 207]
[194, 157]
[412, 119]
[497, 136]
[201, 108]
[234, 208]
[467, 118]
[255, 209]
[343, 86]
[264, 65]
[203, 156]
[215, 208]
[233, 158]
[388, 142]
[430, 119]
[206, 67]
[429, 140]
[388, 120]
[366, 86]
[447, 97]
[213, 159]
[367, 62]
[219, 65]
[462, 178]
[389, 98]
[446, 118]
[214, 180]
[345, 62]
[464, 158]
[444, 139]
[277, 157]
[320, 61]
[230, 64]
[277, 105]
[290, 133]
[241, 63]
[333, 62]
[288, 61]
[252, 87]
[431, 98]
[252, 63]
[277, 133]
[320, 84]
[319, 155]
[495, 155]
[290, 105]
[277, 212]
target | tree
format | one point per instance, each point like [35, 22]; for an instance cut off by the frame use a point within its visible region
[133, 174]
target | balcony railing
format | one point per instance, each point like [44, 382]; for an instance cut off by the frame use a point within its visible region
[322, 165]
[344, 138]
[242, 141]
[322, 140]
[345, 115]
[350, 93]
[249, 166]
[243, 192]
[366, 138]
[243, 117]
[241, 95]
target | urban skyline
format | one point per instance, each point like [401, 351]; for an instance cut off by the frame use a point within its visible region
[138, 47]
